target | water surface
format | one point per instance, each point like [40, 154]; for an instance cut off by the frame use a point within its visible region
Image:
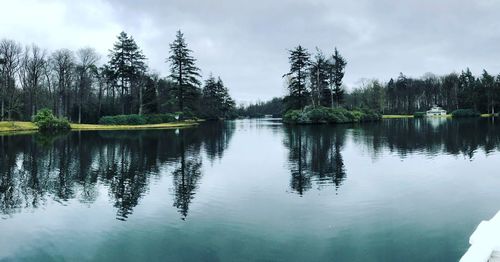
[399, 190]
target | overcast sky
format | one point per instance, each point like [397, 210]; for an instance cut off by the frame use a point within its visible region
[246, 42]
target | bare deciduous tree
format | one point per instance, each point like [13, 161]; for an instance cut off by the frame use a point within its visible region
[62, 63]
[31, 74]
[10, 55]
[86, 70]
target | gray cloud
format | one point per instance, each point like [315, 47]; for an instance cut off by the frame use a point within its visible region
[246, 42]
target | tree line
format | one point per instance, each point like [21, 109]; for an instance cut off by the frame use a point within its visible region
[406, 95]
[76, 86]
[272, 107]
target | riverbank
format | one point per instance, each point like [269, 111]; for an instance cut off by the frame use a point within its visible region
[396, 116]
[19, 126]
[412, 116]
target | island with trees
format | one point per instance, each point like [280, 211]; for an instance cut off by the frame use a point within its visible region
[315, 91]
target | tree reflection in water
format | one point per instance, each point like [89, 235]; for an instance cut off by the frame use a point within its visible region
[315, 156]
[315, 151]
[37, 168]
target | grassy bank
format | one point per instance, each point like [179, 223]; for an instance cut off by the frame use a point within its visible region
[130, 127]
[396, 116]
[17, 126]
[412, 116]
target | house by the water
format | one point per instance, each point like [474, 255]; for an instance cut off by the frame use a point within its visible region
[436, 111]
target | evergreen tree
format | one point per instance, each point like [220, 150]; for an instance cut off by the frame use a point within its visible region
[466, 97]
[217, 103]
[184, 73]
[297, 85]
[211, 99]
[336, 74]
[128, 64]
[166, 90]
[487, 92]
[227, 103]
[150, 100]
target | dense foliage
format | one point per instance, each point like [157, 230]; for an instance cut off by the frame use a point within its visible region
[76, 85]
[406, 95]
[320, 114]
[217, 102]
[46, 121]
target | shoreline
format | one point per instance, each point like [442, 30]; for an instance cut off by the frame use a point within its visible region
[444, 116]
[19, 127]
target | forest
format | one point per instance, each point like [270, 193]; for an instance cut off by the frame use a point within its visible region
[407, 95]
[77, 86]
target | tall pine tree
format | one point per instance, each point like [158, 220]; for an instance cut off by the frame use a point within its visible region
[128, 65]
[336, 74]
[184, 73]
[467, 94]
[297, 85]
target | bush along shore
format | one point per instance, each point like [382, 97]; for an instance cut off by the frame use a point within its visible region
[465, 113]
[327, 115]
[139, 119]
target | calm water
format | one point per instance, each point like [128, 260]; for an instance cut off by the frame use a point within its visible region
[400, 190]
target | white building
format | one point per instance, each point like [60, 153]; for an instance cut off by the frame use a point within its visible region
[436, 111]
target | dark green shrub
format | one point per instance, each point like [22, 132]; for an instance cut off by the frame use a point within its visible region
[160, 118]
[370, 115]
[318, 115]
[292, 116]
[137, 119]
[107, 120]
[46, 121]
[465, 113]
[419, 114]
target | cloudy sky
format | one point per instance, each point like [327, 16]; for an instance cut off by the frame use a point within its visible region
[246, 42]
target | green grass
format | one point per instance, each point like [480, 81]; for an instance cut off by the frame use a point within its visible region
[130, 127]
[8, 127]
[11, 126]
[396, 116]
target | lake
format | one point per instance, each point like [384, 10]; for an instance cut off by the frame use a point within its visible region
[250, 190]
